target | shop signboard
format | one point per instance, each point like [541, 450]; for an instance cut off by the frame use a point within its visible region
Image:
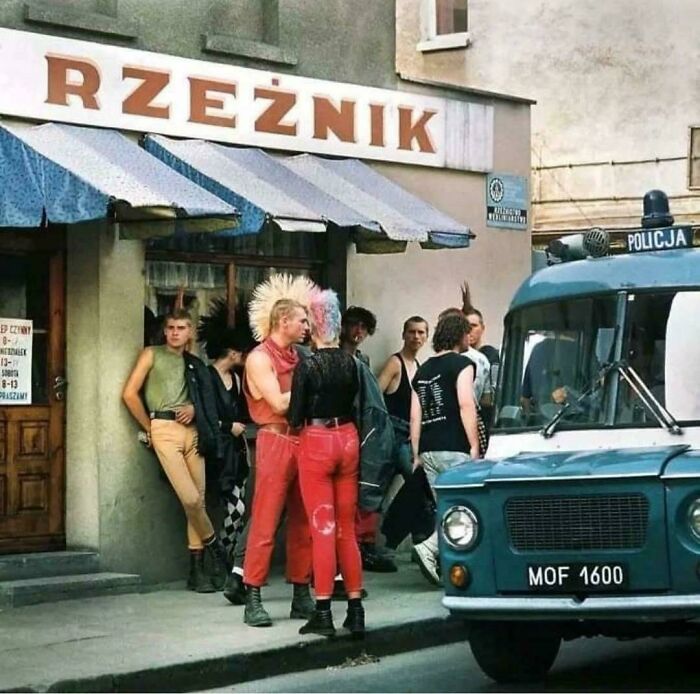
[15, 361]
[53, 78]
[506, 201]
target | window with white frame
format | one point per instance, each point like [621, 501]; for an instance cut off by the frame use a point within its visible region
[444, 25]
[694, 158]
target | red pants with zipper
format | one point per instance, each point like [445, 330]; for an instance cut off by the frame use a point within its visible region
[277, 488]
[328, 473]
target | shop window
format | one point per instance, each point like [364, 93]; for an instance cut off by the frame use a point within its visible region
[444, 25]
[694, 159]
[194, 270]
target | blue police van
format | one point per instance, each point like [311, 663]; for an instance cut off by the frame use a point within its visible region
[584, 518]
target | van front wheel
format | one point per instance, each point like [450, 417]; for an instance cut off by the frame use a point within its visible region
[514, 651]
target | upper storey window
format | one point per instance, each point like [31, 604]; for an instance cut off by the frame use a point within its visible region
[444, 25]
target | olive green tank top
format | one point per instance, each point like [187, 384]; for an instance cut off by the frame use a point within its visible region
[166, 387]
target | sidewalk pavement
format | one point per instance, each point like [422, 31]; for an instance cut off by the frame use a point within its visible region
[175, 640]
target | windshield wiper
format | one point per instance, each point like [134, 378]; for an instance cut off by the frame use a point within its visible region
[598, 382]
[665, 419]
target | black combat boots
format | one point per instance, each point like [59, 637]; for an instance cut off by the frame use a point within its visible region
[219, 560]
[255, 614]
[302, 602]
[321, 622]
[234, 590]
[355, 620]
[198, 580]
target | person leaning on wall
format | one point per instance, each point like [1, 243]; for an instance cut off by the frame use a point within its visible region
[181, 426]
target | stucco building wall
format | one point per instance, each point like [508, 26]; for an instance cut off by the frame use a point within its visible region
[425, 282]
[116, 500]
[614, 82]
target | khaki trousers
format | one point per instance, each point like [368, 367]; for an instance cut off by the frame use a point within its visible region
[176, 447]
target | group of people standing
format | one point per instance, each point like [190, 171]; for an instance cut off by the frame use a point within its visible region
[310, 391]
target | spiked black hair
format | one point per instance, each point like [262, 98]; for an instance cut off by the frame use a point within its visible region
[217, 337]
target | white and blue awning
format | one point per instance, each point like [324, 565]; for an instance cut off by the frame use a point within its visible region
[309, 193]
[65, 174]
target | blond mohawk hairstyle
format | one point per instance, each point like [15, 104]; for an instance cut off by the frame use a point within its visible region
[269, 292]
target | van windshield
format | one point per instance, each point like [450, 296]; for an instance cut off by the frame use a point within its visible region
[554, 352]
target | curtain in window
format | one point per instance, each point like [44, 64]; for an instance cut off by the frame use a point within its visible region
[168, 275]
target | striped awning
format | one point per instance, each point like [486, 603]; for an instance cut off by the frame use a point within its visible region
[66, 174]
[309, 193]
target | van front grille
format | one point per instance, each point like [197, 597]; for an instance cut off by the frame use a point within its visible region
[577, 522]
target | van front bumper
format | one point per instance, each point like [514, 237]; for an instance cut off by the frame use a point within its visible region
[637, 608]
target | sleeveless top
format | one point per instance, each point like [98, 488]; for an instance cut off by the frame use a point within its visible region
[283, 362]
[398, 403]
[435, 384]
[166, 387]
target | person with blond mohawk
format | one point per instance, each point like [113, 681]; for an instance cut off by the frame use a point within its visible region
[324, 390]
[278, 320]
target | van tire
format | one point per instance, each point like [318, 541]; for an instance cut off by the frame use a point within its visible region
[514, 652]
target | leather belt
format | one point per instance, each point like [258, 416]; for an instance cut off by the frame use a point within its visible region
[328, 422]
[163, 414]
[279, 428]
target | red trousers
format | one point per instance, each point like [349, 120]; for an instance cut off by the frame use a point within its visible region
[328, 473]
[277, 487]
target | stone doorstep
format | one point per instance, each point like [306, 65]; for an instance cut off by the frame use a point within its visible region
[14, 567]
[31, 591]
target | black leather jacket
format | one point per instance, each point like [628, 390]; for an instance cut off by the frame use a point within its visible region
[203, 398]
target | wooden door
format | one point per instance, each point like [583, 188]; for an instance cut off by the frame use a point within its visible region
[32, 451]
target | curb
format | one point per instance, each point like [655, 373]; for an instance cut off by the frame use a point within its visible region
[244, 667]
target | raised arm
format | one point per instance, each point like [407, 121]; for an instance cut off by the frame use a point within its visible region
[132, 389]
[390, 375]
[263, 381]
[467, 408]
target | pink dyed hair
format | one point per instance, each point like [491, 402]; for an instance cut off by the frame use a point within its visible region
[324, 314]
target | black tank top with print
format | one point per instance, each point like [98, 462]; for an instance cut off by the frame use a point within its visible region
[398, 403]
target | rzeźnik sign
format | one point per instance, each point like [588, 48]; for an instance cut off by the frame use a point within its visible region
[53, 78]
[663, 239]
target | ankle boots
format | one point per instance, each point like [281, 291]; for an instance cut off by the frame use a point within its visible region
[321, 622]
[234, 590]
[302, 602]
[198, 580]
[355, 621]
[255, 614]
[220, 563]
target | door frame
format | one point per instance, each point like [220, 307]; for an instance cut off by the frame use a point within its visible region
[51, 241]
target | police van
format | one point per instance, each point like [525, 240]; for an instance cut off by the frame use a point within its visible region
[584, 518]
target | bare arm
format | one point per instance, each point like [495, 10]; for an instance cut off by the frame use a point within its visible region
[132, 388]
[467, 408]
[263, 380]
[416, 421]
[388, 376]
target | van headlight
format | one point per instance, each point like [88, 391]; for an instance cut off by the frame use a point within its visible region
[460, 527]
[694, 518]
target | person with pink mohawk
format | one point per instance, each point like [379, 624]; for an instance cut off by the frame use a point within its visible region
[324, 389]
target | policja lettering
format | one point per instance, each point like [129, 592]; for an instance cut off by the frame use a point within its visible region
[658, 239]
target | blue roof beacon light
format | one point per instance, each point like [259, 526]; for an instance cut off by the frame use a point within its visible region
[658, 232]
[656, 212]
